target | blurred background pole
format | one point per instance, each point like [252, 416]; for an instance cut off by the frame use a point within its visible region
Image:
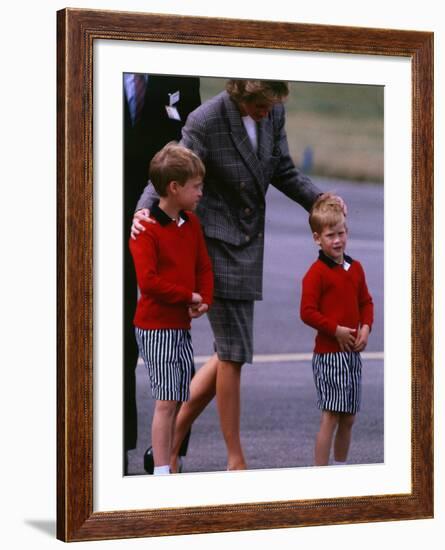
[308, 160]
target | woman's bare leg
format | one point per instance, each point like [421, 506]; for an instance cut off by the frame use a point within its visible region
[228, 389]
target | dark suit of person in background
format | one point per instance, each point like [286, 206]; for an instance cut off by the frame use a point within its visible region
[155, 109]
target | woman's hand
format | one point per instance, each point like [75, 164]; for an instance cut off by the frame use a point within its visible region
[137, 227]
[340, 201]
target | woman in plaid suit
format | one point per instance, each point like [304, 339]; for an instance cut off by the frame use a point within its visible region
[240, 136]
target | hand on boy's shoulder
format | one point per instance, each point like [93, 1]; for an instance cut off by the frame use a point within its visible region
[141, 220]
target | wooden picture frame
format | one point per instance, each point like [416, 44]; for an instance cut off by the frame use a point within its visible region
[77, 31]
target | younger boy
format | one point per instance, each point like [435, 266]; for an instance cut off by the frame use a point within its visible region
[336, 302]
[175, 280]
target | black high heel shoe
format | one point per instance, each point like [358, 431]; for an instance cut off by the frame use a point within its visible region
[149, 462]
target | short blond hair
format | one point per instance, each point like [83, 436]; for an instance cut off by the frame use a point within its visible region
[326, 211]
[174, 162]
[272, 91]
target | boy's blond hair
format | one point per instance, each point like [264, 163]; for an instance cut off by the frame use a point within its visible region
[174, 163]
[326, 212]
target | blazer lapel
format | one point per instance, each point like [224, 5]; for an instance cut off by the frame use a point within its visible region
[265, 142]
[242, 142]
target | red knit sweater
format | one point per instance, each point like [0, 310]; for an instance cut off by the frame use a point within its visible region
[333, 296]
[171, 263]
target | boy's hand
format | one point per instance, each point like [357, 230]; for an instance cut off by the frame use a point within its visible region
[345, 337]
[137, 227]
[196, 299]
[362, 338]
[196, 311]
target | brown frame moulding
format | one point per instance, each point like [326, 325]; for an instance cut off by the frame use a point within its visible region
[77, 31]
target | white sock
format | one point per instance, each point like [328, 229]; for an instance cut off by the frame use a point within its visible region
[161, 470]
[339, 463]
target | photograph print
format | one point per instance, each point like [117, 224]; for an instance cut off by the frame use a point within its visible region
[253, 245]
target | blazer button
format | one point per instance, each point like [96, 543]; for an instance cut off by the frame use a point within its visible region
[247, 238]
[242, 185]
[260, 235]
[247, 211]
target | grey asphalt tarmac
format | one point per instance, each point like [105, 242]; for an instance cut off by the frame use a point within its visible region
[279, 415]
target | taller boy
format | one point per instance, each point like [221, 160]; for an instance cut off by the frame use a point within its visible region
[336, 302]
[174, 275]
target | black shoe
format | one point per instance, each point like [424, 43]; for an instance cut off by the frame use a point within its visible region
[149, 462]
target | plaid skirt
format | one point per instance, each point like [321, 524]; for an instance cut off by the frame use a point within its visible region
[338, 378]
[232, 327]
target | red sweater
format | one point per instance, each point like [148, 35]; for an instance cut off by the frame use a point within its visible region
[333, 296]
[171, 263]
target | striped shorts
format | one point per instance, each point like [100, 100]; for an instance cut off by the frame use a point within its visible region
[337, 378]
[168, 356]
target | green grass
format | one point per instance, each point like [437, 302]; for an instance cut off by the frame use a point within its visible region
[341, 123]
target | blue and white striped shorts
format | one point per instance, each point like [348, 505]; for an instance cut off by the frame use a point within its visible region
[168, 356]
[337, 378]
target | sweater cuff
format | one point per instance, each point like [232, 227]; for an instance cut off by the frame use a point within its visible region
[331, 328]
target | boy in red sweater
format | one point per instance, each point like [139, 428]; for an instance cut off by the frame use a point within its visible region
[336, 302]
[175, 280]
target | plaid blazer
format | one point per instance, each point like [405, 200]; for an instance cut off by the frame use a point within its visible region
[232, 209]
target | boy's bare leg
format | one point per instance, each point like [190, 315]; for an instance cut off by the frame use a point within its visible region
[178, 406]
[343, 437]
[324, 437]
[228, 387]
[202, 391]
[161, 431]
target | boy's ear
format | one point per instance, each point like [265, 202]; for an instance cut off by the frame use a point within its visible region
[172, 186]
[316, 237]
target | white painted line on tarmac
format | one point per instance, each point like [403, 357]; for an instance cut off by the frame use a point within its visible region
[287, 357]
[291, 357]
